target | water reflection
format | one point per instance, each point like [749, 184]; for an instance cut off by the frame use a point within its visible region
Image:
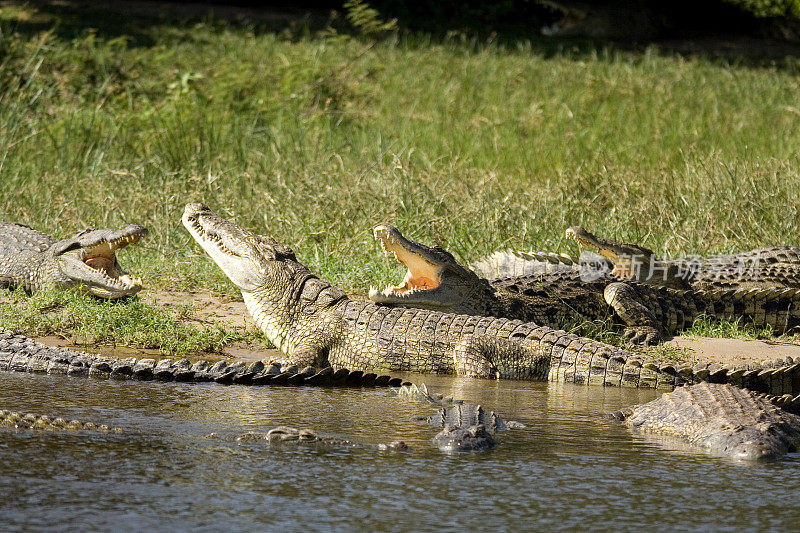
[569, 468]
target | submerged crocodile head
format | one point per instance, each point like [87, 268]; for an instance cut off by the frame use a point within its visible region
[464, 439]
[434, 279]
[89, 260]
[283, 296]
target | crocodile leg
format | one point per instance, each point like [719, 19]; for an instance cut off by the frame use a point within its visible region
[641, 325]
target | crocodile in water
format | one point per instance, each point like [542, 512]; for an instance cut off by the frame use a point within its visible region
[291, 436]
[464, 428]
[314, 323]
[15, 420]
[435, 280]
[722, 419]
[21, 354]
[33, 260]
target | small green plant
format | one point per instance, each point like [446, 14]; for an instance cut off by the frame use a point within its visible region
[601, 330]
[91, 321]
[707, 326]
[367, 19]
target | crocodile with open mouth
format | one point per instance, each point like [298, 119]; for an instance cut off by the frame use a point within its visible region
[34, 260]
[773, 266]
[312, 322]
[435, 280]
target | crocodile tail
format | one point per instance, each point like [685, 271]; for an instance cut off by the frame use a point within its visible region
[787, 402]
[512, 263]
[21, 354]
[773, 307]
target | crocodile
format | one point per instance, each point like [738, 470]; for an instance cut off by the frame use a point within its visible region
[33, 260]
[514, 263]
[460, 429]
[774, 266]
[22, 354]
[312, 322]
[16, 420]
[288, 435]
[435, 280]
[722, 419]
[465, 427]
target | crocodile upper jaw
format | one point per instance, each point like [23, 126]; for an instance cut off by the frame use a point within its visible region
[232, 248]
[89, 260]
[434, 280]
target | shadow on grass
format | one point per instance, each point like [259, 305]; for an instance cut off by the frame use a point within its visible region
[143, 21]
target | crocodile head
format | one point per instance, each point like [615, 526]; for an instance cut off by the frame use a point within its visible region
[434, 280]
[89, 260]
[247, 258]
[464, 439]
[283, 296]
[628, 259]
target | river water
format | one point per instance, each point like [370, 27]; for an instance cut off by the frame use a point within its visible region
[568, 469]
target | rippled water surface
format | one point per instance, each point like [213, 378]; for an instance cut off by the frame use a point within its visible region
[569, 468]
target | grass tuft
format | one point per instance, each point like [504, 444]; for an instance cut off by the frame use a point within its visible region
[707, 326]
[92, 321]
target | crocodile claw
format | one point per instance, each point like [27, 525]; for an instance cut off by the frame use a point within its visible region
[644, 335]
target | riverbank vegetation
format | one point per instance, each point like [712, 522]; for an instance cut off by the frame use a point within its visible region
[315, 136]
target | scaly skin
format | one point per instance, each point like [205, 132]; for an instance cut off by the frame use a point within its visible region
[21, 354]
[513, 263]
[286, 436]
[464, 427]
[311, 321]
[722, 419]
[461, 420]
[771, 267]
[12, 419]
[436, 281]
[34, 260]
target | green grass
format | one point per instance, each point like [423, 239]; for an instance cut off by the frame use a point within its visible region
[314, 138]
[706, 326]
[111, 322]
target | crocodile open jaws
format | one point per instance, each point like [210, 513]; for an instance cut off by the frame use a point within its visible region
[34, 260]
[312, 322]
[558, 299]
